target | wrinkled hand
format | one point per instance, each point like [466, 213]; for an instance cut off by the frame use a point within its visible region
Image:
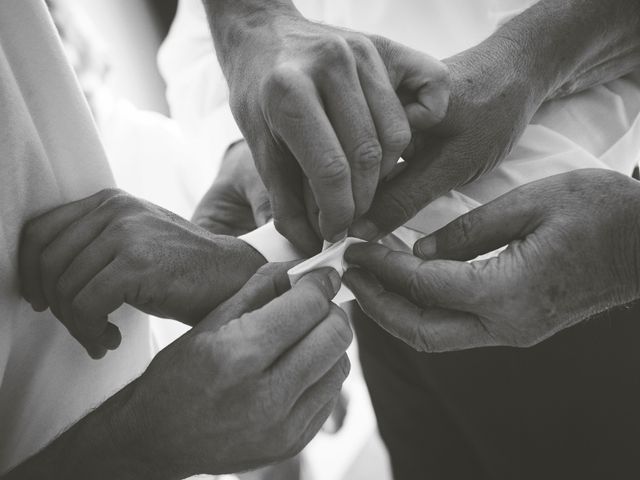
[573, 248]
[321, 103]
[251, 384]
[85, 259]
[237, 202]
[489, 107]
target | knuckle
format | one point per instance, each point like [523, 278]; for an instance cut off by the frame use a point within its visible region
[270, 269]
[367, 155]
[280, 89]
[333, 168]
[416, 284]
[64, 287]
[463, 233]
[397, 140]
[362, 47]
[401, 205]
[334, 49]
[119, 201]
[315, 299]
[47, 260]
[442, 75]
[341, 332]
[80, 308]
[111, 192]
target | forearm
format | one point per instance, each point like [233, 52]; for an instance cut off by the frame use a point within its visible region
[567, 46]
[100, 446]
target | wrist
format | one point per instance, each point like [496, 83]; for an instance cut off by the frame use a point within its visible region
[235, 22]
[558, 43]
[236, 262]
[490, 78]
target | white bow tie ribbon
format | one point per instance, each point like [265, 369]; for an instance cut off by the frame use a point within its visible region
[276, 248]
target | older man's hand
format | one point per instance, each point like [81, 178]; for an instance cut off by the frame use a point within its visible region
[85, 259]
[573, 248]
[251, 384]
[489, 108]
[320, 103]
[237, 201]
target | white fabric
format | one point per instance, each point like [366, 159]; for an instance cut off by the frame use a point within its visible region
[332, 257]
[276, 248]
[49, 155]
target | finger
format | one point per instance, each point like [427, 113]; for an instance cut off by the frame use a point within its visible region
[317, 421]
[430, 329]
[283, 179]
[510, 217]
[101, 296]
[314, 406]
[349, 113]
[388, 114]
[315, 354]
[261, 208]
[83, 268]
[421, 80]
[402, 197]
[296, 114]
[276, 327]
[313, 212]
[222, 212]
[39, 232]
[269, 282]
[258, 197]
[66, 246]
[447, 284]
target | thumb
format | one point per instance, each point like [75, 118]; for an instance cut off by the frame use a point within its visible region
[421, 81]
[269, 282]
[510, 217]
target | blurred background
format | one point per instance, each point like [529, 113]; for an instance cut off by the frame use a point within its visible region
[113, 46]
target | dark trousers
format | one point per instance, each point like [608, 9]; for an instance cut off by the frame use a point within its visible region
[568, 408]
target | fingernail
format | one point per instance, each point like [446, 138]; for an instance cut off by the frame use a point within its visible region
[335, 279]
[338, 237]
[38, 307]
[351, 251]
[96, 353]
[426, 248]
[365, 230]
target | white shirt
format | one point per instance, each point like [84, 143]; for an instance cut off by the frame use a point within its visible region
[596, 128]
[49, 155]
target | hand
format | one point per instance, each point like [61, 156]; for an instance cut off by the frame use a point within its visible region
[237, 202]
[85, 259]
[326, 99]
[573, 248]
[492, 101]
[249, 385]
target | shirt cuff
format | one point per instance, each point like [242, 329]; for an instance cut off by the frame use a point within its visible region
[276, 248]
[272, 245]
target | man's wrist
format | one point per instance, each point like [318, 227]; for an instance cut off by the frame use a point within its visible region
[557, 42]
[491, 76]
[234, 21]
